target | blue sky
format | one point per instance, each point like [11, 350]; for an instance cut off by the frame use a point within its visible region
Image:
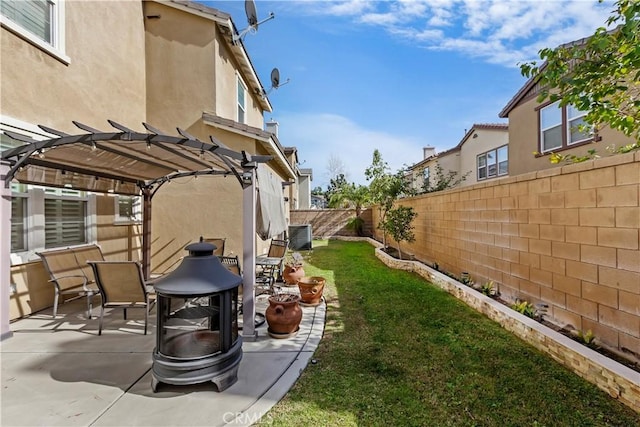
[398, 75]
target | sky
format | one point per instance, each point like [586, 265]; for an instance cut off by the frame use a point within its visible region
[397, 76]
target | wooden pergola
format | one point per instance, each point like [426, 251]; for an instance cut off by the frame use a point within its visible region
[127, 162]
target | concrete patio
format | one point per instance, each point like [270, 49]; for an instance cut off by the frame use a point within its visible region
[59, 372]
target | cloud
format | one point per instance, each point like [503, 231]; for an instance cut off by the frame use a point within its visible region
[497, 31]
[321, 136]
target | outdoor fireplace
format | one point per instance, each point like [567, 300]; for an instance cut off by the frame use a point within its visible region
[197, 333]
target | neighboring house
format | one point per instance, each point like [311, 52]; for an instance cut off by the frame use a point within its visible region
[484, 150]
[58, 66]
[537, 130]
[318, 202]
[305, 178]
[480, 155]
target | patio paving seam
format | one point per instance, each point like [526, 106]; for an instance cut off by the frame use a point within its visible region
[123, 394]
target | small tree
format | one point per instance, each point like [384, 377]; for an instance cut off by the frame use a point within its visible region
[398, 223]
[384, 188]
[443, 181]
[334, 186]
[357, 197]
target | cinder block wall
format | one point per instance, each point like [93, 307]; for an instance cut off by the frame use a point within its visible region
[567, 236]
[331, 222]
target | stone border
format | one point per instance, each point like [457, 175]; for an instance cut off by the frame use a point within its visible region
[619, 381]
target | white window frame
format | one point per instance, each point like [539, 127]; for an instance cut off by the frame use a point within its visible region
[241, 113]
[556, 106]
[57, 46]
[496, 162]
[136, 210]
[479, 167]
[567, 117]
[570, 109]
[24, 199]
[70, 195]
[35, 221]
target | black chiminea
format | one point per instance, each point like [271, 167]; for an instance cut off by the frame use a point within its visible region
[197, 333]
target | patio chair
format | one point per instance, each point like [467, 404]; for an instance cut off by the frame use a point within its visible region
[123, 286]
[269, 266]
[69, 273]
[232, 263]
[219, 242]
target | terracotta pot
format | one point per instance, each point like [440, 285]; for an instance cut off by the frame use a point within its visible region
[291, 275]
[311, 288]
[283, 315]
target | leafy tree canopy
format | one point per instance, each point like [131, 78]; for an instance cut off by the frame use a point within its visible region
[601, 75]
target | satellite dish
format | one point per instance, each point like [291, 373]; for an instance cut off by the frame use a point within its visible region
[252, 20]
[252, 14]
[275, 82]
[275, 78]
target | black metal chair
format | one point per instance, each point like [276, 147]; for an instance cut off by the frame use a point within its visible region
[269, 266]
[232, 263]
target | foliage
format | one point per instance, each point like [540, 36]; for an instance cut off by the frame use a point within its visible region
[489, 289]
[294, 260]
[443, 181]
[524, 307]
[357, 224]
[350, 195]
[317, 191]
[587, 338]
[600, 75]
[398, 351]
[385, 188]
[335, 184]
[398, 224]
[591, 154]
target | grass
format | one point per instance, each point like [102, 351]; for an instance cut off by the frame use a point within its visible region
[398, 351]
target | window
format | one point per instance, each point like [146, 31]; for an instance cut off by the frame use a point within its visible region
[242, 101]
[561, 127]
[426, 174]
[18, 223]
[43, 217]
[64, 218]
[33, 15]
[41, 22]
[128, 209]
[493, 163]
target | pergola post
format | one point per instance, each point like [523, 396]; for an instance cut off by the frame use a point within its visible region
[249, 256]
[5, 252]
[146, 233]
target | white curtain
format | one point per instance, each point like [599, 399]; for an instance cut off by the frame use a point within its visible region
[270, 217]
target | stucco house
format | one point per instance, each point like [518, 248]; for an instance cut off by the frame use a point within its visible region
[172, 64]
[481, 154]
[536, 130]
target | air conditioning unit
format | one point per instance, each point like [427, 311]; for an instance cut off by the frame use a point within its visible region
[300, 237]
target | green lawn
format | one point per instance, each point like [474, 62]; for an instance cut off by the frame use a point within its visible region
[398, 351]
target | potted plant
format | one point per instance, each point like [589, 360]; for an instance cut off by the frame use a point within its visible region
[311, 288]
[283, 315]
[293, 270]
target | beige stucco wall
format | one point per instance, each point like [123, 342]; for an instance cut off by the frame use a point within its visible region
[190, 69]
[485, 141]
[523, 140]
[104, 80]
[567, 236]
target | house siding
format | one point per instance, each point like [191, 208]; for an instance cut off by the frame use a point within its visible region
[524, 140]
